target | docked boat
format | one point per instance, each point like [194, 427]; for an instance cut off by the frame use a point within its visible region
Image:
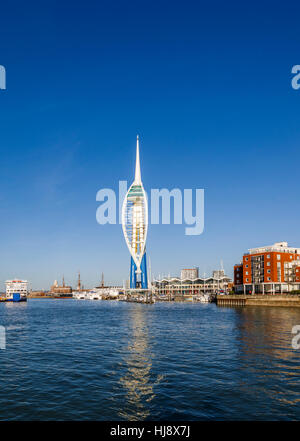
[80, 295]
[94, 295]
[87, 295]
[16, 290]
[205, 298]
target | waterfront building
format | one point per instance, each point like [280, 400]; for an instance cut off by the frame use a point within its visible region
[135, 226]
[61, 289]
[268, 270]
[174, 286]
[17, 289]
[189, 273]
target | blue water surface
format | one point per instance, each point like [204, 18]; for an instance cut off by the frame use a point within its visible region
[108, 360]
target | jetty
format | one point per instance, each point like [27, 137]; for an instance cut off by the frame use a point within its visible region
[259, 300]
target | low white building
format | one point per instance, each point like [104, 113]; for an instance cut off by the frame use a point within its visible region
[16, 286]
[174, 286]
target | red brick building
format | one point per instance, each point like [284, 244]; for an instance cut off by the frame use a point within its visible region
[270, 269]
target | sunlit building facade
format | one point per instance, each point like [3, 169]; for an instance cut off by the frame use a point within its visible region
[268, 270]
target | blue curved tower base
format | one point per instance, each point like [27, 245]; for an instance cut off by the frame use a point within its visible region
[144, 278]
[143, 283]
[132, 274]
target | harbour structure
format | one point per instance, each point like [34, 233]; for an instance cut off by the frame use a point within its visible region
[273, 269]
[16, 290]
[39, 294]
[172, 287]
[135, 226]
[62, 289]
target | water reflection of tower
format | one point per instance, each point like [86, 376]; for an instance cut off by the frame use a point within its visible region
[138, 381]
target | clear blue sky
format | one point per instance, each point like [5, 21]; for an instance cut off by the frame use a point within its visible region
[207, 87]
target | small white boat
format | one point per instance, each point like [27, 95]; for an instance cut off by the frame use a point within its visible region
[204, 298]
[81, 295]
[94, 295]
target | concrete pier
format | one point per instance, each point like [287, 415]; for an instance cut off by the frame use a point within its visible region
[259, 300]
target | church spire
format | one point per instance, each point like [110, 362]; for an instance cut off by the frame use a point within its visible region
[137, 178]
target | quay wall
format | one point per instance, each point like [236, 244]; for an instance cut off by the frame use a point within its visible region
[259, 300]
[39, 295]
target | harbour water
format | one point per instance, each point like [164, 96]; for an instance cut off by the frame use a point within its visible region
[109, 360]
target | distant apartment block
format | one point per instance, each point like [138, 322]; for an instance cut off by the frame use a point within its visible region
[189, 273]
[218, 274]
[268, 270]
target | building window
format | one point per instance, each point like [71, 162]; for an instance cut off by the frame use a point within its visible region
[268, 256]
[278, 256]
[269, 271]
[269, 278]
[268, 263]
[246, 259]
[247, 280]
[246, 266]
[247, 273]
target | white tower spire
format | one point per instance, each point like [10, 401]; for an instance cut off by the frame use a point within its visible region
[135, 215]
[137, 177]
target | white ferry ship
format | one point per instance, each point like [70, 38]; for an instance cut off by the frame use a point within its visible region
[16, 290]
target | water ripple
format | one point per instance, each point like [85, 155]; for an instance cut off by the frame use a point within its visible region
[81, 360]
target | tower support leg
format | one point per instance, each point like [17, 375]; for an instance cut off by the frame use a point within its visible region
[143, 283]
[132, 274]
[144, 277]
